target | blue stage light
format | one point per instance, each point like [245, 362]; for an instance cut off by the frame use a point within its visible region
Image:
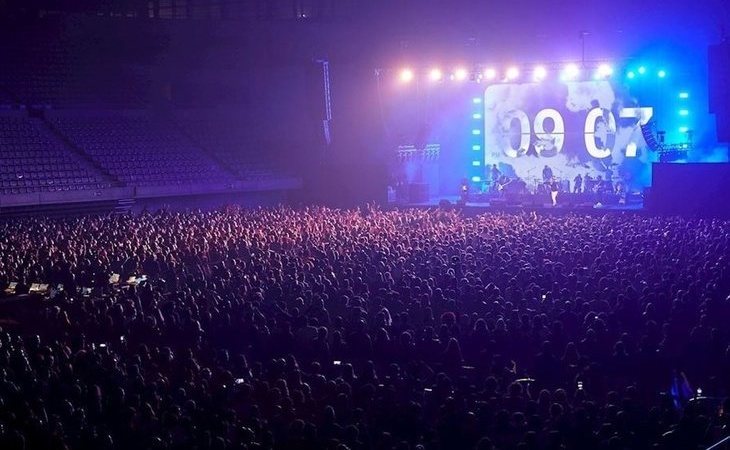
[684, 112]
[476, 147]
[476, 132]
[683, 129]
[631, 75]
[684, 95]
[476, 163]
[476, 179]
[476, 100]
[476, 116]
[642, 70]
[662, 74]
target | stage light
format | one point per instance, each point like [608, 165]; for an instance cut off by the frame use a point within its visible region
[539, 73]
[571, 72]
[642, 70]
[684, 112]
[661, 74]
[476, 132]
[476, 116]
[476, 100]
[460, 74]
[604, 71]
[435, 75]
[490, 74]
[476, 147]
[476, 179]
[631, 75]
[513, 73]
[476, 163]
[683, 129]
[406, 75]
[684, 95]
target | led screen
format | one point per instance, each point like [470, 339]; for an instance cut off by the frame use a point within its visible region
[583, 127]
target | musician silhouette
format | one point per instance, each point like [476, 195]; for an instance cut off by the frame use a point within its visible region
[547, 174]
[577, 184]
[495, 173]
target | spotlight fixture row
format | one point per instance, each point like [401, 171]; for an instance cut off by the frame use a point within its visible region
[538, 73]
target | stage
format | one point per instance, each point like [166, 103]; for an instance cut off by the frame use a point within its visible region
[486, 205]
[510, 142]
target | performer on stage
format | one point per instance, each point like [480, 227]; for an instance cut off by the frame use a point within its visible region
[464, 191]
[502, 183]
[588, 183]
[577, 184]
[621, 191]
[495, 173]
[554, 188]
[598, 189]
[547, 174]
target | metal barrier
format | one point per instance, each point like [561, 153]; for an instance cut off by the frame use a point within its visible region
[723, 444]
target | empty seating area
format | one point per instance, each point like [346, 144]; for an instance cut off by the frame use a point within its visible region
[6, 100]
[42, 69]
[40, 82]
[33, 160]
[54, 78]
[45, 65]
[140, 151]
[228, 141]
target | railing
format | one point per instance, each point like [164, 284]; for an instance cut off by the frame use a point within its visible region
[723, 444]
[128, 192]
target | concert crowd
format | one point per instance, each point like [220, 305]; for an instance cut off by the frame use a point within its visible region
[316, 328]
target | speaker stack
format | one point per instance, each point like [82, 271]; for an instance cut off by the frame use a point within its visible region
[719, 88]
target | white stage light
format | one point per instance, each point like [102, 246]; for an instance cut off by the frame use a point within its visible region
[513, 73]
[490, 74]
[571, 72]
[406, 75]
[604, 71]
[539, 73]
[460, 74]
[435, 75]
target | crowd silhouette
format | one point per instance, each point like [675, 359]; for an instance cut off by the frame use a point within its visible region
[316, 328]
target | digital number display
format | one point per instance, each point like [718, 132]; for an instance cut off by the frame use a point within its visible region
[555, 138]
[582, 127]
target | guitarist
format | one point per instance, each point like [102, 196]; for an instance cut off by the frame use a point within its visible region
[502, 183]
